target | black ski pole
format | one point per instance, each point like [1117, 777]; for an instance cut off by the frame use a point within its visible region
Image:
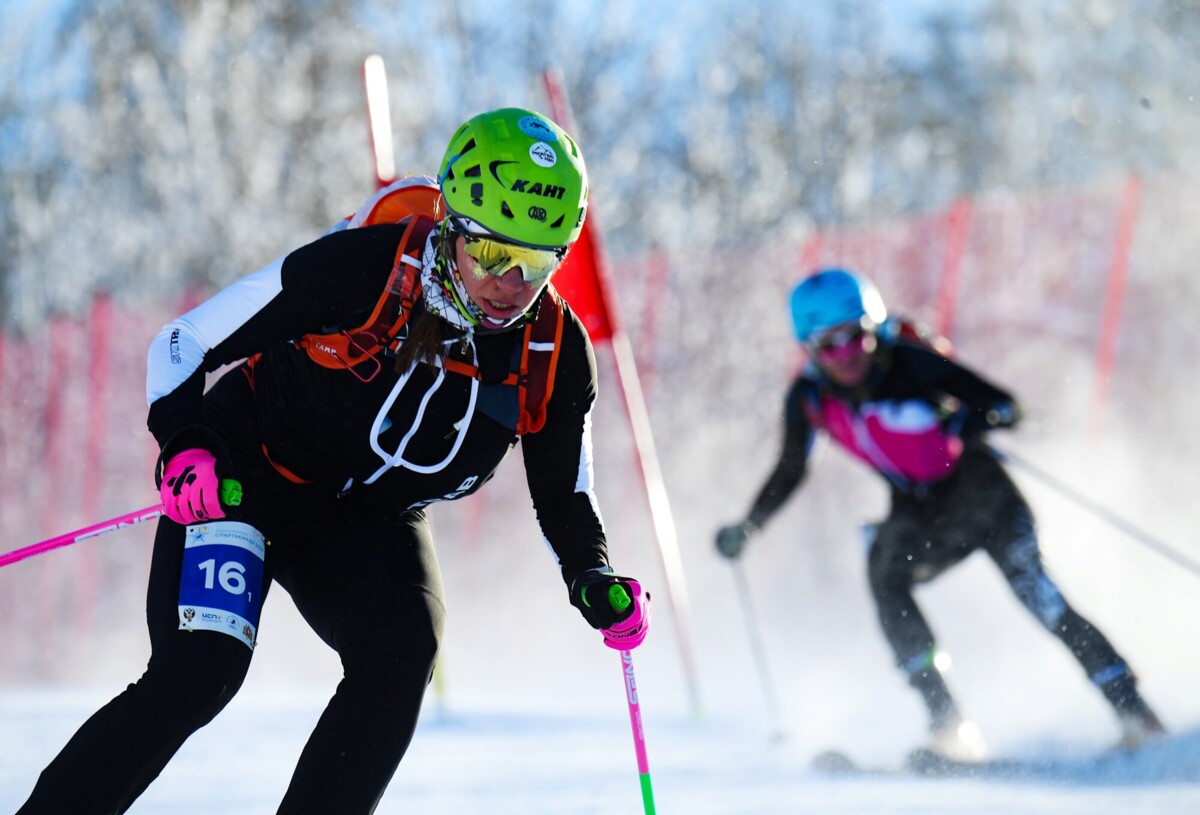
[1143, 537]
[760, 654]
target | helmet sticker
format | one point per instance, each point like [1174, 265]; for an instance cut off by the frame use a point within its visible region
[543, 154]
[536, 128]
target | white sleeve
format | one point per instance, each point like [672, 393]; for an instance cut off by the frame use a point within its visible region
[179, 348]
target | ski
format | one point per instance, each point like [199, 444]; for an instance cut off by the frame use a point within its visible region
[835, 762]
[925, 763]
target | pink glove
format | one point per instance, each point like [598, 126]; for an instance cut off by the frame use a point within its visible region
[630, 632]
[190, 489]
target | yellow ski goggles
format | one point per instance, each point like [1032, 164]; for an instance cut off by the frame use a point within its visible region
[496, 257]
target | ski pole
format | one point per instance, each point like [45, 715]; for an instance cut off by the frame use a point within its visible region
[1099, 511]
[230, 496]
[619, 599]
[760, 654]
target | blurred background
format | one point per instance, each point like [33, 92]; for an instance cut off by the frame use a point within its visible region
[1022, 175]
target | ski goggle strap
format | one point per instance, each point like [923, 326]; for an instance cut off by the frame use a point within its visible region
[838, 336]
[497, 257]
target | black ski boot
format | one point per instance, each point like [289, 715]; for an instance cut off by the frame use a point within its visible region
[1139, 723]
[950, 735]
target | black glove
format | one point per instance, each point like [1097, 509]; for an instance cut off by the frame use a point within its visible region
[731, 540]
[1003, 414]
[589, 594]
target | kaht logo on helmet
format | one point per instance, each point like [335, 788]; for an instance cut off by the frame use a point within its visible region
[544, 190]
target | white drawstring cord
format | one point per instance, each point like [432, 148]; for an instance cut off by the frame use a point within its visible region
[397, 459]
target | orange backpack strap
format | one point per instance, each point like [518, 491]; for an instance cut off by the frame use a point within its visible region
[541, 341]
[403, 287]
[539, 363]
[350, 347]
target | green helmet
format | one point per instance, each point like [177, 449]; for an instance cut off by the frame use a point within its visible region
[519, 176]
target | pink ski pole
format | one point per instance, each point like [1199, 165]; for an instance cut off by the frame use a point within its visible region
[93, 531]
[619, 600]
[231, 496]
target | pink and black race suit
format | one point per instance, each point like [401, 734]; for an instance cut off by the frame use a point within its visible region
[911, 421]
[918, 420]
[908, 441]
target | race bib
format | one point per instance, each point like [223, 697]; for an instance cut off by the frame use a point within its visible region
[220, 588]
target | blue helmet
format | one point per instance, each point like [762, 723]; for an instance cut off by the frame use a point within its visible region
[831, 297]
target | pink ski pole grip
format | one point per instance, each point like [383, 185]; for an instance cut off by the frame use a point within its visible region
[630, 632]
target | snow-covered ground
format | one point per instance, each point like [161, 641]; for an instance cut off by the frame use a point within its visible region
[545, 728]
[482, 760]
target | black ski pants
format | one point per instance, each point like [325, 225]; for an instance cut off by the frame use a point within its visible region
[979, 507]
[368, 583]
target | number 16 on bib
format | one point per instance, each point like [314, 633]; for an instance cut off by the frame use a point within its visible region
[220, 587]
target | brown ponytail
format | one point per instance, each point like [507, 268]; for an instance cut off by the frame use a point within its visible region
[426, 332]
[425, 341]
